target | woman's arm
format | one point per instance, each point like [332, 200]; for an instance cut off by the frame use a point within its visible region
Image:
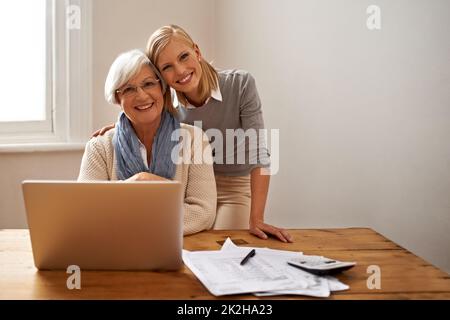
[252, 118]
[94, 162]
[103, 130]
[146, 176]
[201, 196]
[259, 184]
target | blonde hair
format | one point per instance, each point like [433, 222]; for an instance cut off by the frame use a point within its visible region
[160, 39]
[125, 67]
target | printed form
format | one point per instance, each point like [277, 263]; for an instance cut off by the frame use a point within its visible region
[265, 274]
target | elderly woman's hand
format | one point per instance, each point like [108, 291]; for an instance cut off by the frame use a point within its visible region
[146, 176]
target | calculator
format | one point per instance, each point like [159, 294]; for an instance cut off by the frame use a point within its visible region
[319, 265]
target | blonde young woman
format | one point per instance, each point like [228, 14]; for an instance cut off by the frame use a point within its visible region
[219, 100]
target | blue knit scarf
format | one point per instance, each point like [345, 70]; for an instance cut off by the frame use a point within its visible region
[128, 155]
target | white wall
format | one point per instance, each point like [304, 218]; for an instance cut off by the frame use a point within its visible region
[364, 116]
[16, 167]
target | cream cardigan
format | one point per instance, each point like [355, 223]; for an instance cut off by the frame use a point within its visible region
[198, 182]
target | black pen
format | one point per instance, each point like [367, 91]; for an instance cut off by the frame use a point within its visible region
[250, 254]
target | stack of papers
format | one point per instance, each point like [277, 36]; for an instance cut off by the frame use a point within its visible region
[265, 274]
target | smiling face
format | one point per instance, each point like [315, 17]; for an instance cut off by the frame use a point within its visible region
[141, 98]
[180, 66]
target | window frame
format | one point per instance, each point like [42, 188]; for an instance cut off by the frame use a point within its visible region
[68, 82]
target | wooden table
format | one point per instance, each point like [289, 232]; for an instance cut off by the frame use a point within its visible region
[403, 275]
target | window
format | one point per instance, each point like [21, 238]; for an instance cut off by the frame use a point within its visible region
[46, 71]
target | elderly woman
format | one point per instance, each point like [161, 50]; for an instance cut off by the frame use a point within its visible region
[141, 148]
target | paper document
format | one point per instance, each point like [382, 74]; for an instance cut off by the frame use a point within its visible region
[317, 286]
[221, 273]
[265, 274]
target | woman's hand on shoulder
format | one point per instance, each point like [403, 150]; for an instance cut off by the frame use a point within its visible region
[261, 229]
[145, 176]
[103, 130]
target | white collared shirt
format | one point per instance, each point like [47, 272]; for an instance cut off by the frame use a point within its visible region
[215, 94]
[143, 152]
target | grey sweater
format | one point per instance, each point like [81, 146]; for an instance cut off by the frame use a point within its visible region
[240, 108]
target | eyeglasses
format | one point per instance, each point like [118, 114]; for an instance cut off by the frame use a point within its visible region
[131, 91]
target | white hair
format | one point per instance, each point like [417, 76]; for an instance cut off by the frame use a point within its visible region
[124, 68]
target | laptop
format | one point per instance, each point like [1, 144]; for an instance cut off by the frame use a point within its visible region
[105, 225]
